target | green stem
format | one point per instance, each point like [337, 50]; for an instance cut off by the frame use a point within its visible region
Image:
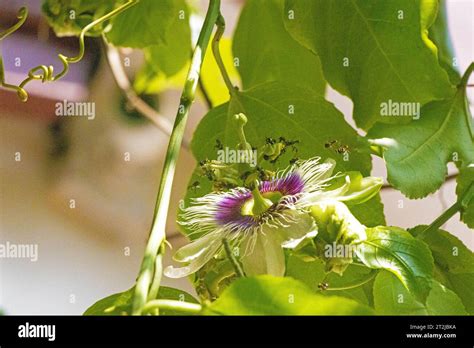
[238, 269]
[466, 75]
[172, 305]
[217, 53]
[461, 204]
[205, 95]
[157, 234]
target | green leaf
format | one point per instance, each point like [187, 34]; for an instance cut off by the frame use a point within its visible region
[369, 213]
[392, 298]
[144, 24]
[416, 154]
[171, 55]
[442, 301]
[454, 263]
[121, 303]
[266, 52]
[371, 52]
[267, 295]
[439, 35]
[69, 17]
[397, 251]
[116, 304]
[464, 180]
[267, 108]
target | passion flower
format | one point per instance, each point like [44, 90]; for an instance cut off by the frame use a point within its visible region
[260, 221]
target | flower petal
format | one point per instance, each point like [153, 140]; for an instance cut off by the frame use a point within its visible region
[266, 256]
[359, 189]
[302, 228]
[196, 264]
[194, 249]
[350, 187]
[274, 256]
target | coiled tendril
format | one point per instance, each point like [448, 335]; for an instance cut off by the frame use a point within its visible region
[45, 73]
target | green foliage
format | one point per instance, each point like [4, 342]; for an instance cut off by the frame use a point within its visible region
[392, 298]
[397, 251]
[266, 52]
[145, 24]
[371, 52]
[267, 295]
[416, 154]
[454, 263]
[171, 55]
[121, 303]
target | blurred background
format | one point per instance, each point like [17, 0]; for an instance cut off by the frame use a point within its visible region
[84, 190]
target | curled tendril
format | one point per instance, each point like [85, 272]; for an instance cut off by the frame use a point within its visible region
[22, 16]
[45, 73]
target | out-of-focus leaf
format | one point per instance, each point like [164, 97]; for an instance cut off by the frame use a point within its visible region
[145, 24]
[151, 81]
[171, 55]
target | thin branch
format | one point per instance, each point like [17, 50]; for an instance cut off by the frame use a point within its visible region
[450, 177]
[121, 78]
